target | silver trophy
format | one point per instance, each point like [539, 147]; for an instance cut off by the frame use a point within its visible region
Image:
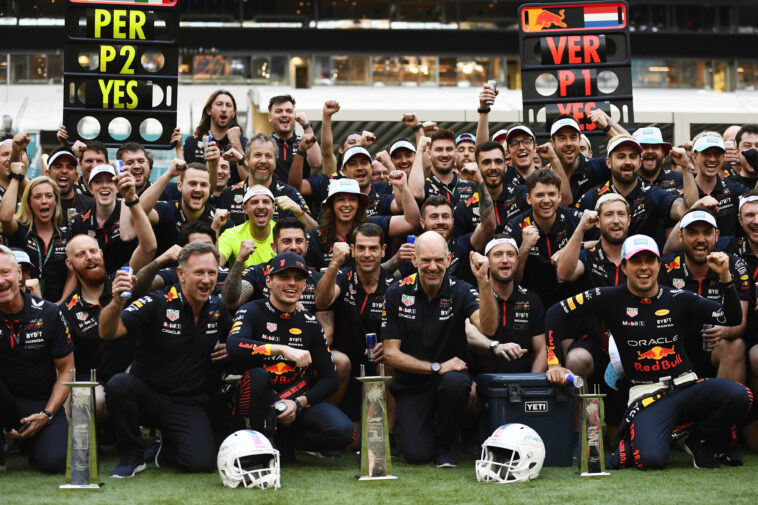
[376, 463]
[592, 458]
[81, 461]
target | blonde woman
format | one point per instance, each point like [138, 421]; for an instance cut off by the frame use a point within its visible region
[37, 229]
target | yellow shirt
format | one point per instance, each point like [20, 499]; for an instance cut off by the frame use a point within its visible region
[229, 245]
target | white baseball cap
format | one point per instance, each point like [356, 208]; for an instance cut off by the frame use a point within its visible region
[698, 215]
[624, 141]
[102, 169]
[62, 153]
[402, 144]
[345, 185]
[567, 121]
[638, 243]
[257, 191]
[355, 151]
[500, 134]
[707, 141]
[518, 129]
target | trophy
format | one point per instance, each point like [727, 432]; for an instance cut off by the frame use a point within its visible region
[81, 461]
[375, 460]
[592, 459]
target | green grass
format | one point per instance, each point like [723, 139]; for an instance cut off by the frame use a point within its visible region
[312, 481]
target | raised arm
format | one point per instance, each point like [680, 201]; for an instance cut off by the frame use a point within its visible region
[8, 204]
[482, 127]
[569, 268]
[331, 107]
[295, 176]
[111, 326]
[416, 177]
[327, 289]
[411, 218]
[146, 241]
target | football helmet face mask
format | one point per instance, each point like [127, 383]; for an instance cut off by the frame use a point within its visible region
[247, 457]
[513, 453]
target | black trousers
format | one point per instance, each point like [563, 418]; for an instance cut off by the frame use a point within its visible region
[713, 405]
[47, 449]
[320, 427]
[430, 418]
[183, 421]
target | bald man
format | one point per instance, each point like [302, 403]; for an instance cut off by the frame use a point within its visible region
[425, 342]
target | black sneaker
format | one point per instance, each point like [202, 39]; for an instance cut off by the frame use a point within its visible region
[702, 454]
[129, 467]
[329, 454]
[151, 453]
[444, 459]
[731, 457]
[394, 451]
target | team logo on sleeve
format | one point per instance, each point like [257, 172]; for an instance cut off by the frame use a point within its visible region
[676, 264]
[172, 294]
[74, 301]
[408, 280]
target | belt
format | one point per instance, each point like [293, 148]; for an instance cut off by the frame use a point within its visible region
[639, 391]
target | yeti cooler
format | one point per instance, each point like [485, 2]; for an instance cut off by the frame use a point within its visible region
[528, 398]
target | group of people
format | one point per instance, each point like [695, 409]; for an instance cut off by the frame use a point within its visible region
[237, 290]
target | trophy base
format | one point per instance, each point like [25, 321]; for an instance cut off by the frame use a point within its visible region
[600, 474]
[80, 486]
[385, 477]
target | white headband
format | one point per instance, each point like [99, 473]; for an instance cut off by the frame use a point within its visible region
[747, 199]
[6, 141]
[499, 241]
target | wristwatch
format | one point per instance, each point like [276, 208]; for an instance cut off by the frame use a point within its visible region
[436, 368]
[493, 346]
[49, 416]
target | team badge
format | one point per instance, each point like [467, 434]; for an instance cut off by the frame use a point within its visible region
[271, 326]
[172, 314]
[408, 300]
[238, 198]
[82, 316]
[678, 283]
[632, 311]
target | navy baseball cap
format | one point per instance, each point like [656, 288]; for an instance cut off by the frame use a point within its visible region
[285, 261]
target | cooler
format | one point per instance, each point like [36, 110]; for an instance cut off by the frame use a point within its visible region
[528, 398]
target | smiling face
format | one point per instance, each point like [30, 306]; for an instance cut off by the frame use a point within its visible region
[138, 165]
[431, 258]
[221, 111]
[503, 259]
[259, 210]
[358, 167]
[439, 219]
[10, 273]
[368, 252]
[698, 240]
[64, 172]
[261, 161]
[749, 220]
[442, 155]
[544, 200]
[709, 161]
[613, 220]
[464, 153]
[42, 202]
[345, 207]
[492, 166]
[652, 159]
[5, 160]
[285, 288]
[566, 145]
[641, 272]
[103, 189]
[198, 277]
[282, 118]
[291, 240]
[90, 159]
[195, 188]
[85, 258]
[624, 163]
[224, 172]
[403, 158]
[521, 149]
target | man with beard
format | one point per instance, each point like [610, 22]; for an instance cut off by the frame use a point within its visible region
[223, 170]
[261, 155]
[219, 121]
[541, 231]
[597, 267]
[91, 154]
[465, 145]
[650, 204]
[35, 348]
[110, 221]
[654, 152]
[167, 218]
[743, 172]
[518, 345]
[425, 342]
[62, 168]
[93, 291]
[136, 160]
[709, 152]
[401, 154]
[253, 238]
[281, 115]
[716, 350]
[442, 180]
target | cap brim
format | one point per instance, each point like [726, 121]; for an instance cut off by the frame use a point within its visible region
[634, 253]
[60, 155]
[627, 142]
[289, 267]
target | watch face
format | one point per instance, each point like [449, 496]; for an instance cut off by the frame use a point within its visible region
[436, 367]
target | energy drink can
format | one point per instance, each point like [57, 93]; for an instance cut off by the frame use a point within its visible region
[493, 85]
[574, 380]
[411, 239]
[705, 344]
[370, 344]
[125, 295]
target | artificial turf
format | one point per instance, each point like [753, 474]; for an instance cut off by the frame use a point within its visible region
[313, 481]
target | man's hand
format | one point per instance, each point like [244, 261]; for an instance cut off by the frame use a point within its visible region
[331, 107]
[719, 263]
[17, 168]
[480, 265]
[556, 257]
[557, 375]
[234, 134]
[409, 119]
[405, 253]
[20, 141]
[301, 357]
[453, 365]
[486, 95]
[383, 157]
[176, 138]
[600, 119]
[219, 353]
[38, 421]
[62, 135]
[367, 138]
[232, 155]
[712, 336]
[429, 128]
[680, 158]
[707, 203]
[529, 236]
[397, 179]
[219, 219]
[589, 219]
[546, 151]
[170, 256]
[122, 282]
[378, 353]
[301, 118]
[306, 142]
[287, 204]
[212, 153]
[78, 148]
[288, 416]
[731, 155]
[423, 144]
[176, 167]
[247, 247]
[126, 186]
[471, 172]
[340, 251]
[509, 351]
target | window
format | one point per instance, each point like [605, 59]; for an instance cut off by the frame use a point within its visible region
[341, 70]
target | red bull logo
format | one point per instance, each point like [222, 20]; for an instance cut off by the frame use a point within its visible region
[172, 295]
[676, 264]
[279, 368]
[408, 280]
[474, 199]
[655, 353]
[540, 19]
[604, 189]
[526, 222]
[74, 300]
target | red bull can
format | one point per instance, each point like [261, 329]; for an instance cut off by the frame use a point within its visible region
[574, 380]
[370, 344]
[493, 85]
[411, 239]
[125, 295]
[705, 344]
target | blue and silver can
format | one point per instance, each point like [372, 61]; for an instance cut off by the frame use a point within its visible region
[125, 295]
[370, 344]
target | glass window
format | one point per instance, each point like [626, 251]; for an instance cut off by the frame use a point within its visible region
[672, 74]
[747, 75]
[448, 72]
[341, 70]
[239, 68]
[209, 67]
[474, 72]
[3, 68]
[36, 68]
[386, 70]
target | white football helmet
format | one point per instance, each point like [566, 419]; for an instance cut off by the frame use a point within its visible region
[247, 457]
[513, 453]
